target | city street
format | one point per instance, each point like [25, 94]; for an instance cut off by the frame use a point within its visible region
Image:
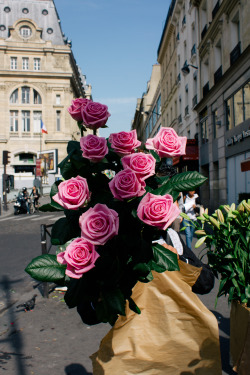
[52, 337]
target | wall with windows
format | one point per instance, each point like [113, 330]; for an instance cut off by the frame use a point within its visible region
[39, 78]
[224, 50]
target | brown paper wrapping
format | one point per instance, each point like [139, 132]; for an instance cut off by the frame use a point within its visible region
[174, 334]
[240, 338]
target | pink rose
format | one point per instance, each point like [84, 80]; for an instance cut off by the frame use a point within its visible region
[99, 224]
[93, 147]
[76, 107]
[95, 115]
[73, 193]
[126, 185]
[158, 211]
[167, 144]
[124, 143]
[142, 164]
[80, 257]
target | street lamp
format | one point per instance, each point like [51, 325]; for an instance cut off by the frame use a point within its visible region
[185, 69]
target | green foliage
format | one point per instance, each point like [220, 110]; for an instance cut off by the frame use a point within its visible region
[226, 234]
[46, 268]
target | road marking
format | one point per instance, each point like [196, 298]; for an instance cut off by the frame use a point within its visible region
[24, 217]
[60, 217]
[40, 218]
[6, 218]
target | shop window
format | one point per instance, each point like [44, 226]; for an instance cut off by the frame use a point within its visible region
[14, 121]
[14, 97]
[26, 121]
[229, 113]
[238, 108]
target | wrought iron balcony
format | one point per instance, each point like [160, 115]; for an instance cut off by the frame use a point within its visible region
[186, 110]
[216, 8]
[235, 54]
[193, 50]
[179, 119]
[218, 74]
[203, 33]
[205, 89]
[194, 100]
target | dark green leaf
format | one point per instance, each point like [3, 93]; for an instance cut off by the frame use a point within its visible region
[46, 268]
[155, 155]
[133, 306]
[114, 300]
[164, 259]
[187, 181]
[62, 231]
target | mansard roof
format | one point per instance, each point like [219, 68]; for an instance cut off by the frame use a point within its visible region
[43, 12]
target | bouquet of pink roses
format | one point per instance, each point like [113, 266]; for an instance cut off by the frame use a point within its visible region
[105, 239]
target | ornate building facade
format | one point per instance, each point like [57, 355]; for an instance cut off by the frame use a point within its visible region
[38, 79]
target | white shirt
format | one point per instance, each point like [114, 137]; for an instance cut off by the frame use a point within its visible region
[188, 205]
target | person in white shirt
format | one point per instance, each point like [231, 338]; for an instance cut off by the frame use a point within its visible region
[191, 207]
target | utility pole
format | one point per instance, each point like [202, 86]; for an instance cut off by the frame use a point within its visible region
[6, 160]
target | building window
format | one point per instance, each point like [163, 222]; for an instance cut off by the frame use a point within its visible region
[26, 121]
[25, 63]
[25, 95]
[2, 27]
[13, 63]
[14, 121]
[216, 123]
[14, 97]
[45, 12]
[58, 121]
[37, 97]
[154, 116]
[37, 64]
[37, 116]
[238, 107]
[25, 10]
[204, 126]
[50, 30]
[58, 99]
[7, 9]
[246, 97]
[158, 104]
[25, 31]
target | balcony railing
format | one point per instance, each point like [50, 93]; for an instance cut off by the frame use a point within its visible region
[235, 54]
[205, 89]
[194, 100]
[203, 33]
[178, 36]
[218, 74]
[186, 110]
[193, 50]
[178, 78]
[179, 119]
[184, 21]
[216, 8]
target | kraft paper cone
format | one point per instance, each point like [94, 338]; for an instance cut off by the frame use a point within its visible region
[174, 334]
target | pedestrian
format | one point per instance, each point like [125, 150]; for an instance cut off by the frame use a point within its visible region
[191, 207]
[36, 196]
[26, 198]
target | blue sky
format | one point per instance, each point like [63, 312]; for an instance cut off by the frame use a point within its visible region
[115, 43]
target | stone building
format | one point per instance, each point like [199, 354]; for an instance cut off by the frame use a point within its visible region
[224, 106]
[38, 79]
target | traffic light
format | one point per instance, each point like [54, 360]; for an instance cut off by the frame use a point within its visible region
[6, 157]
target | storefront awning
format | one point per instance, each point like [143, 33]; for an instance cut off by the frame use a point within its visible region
[192, 152]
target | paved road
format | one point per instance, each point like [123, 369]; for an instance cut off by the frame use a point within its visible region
[51, 339]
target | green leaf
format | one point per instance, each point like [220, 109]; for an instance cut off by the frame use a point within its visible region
[133, 306]
[247, 291]
[46, 268]
[187, 181]
[155, 155]
[114, 301]
[200, 241]
[164, 259]
[185, 216]
[63, 231]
